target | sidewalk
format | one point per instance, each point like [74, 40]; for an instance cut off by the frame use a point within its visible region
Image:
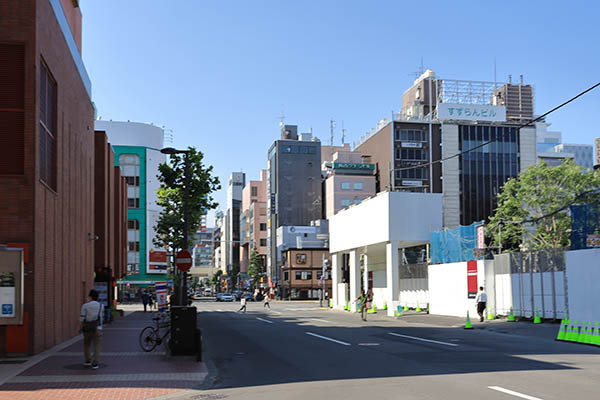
[126, 372]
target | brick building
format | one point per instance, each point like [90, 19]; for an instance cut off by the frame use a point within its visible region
[110, 217]
[46, 168]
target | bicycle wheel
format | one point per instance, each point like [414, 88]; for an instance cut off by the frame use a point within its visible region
[148, 339]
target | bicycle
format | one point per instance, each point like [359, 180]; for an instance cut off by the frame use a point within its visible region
[151, 336]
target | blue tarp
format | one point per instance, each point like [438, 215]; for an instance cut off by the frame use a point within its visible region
[454, 245]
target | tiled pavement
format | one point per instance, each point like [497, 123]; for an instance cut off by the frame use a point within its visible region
[126, 372]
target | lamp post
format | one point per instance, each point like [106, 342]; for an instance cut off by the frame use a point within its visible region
[186, 179]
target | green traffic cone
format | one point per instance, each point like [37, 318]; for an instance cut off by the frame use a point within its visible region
[570, 333]
[511, 316]
[405, 307]
[562, 331]
[596, 336]
[537, 319]
[385, 305]
[330, 303]
[589, 334]
[418, 309]
[468, 322]
[372, 310]
[490, 314]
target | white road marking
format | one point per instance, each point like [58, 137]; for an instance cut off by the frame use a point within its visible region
[326, 338]
[264, 320]
[513, 393]
[318, 319]
[275, 312]
[368, 344]
[423, 340]
[302, 309]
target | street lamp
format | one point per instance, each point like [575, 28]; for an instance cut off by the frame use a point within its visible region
[186, 178]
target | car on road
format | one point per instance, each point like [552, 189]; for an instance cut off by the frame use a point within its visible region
[207, 292]
[227, 297]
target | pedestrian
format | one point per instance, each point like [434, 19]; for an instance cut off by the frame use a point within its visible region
[154, 303]
[243, 303]
[267, 300]
[150, 302]
[90, 323]
[145, 298]
[481, 301]
[363, 298]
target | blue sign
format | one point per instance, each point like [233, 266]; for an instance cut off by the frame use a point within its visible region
[7, 309]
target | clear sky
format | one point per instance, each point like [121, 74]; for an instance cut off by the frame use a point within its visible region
[220, 73]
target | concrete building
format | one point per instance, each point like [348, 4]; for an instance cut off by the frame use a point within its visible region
[293, 188]
[368, 258]
[46, 174]
[231, 242]
[582, 154]
[137, 152]
[349, 180]
[462, 117]
[253, 221]
[203, 253]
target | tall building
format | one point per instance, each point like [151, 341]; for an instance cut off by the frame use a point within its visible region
[46, 174]
[293, 188]
[456, 116]
[137, 152]
[253, 221]
[583, 154]
[203, 253]
[237, 181]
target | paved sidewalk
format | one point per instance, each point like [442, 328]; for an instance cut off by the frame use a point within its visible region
[126, 372]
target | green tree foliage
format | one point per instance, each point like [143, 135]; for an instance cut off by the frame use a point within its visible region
[256, 266]
[214, 279]
[170, 195]
[541, 194]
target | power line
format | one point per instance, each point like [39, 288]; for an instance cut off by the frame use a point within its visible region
[492, 141]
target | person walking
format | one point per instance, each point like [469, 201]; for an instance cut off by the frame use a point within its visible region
[481, 301]
[363, 298]
[267, 299]
[150, 302]
[90, 323]
[145, 299]
[243, 303]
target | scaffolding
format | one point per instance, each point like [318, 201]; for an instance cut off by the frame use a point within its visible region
[466, 92]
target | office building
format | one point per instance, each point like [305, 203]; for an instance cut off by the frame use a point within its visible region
[137, 152]
[293, 189]
[237, 181]
[253, 221]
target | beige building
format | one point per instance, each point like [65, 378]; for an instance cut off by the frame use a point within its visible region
[253, 220]
[350, 180]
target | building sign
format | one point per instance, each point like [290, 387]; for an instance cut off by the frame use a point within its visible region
[471, 279]
[412, 145]
[480, 237]
[102, 289]
[471, 112]
[7, 294]
[411, 183]
[592, 241]
[338, 165]
[157, 262]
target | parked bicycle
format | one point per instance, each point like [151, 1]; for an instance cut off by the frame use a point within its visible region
[153, 336]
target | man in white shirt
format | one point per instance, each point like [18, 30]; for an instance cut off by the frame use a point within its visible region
[481, 301]
[90, 323]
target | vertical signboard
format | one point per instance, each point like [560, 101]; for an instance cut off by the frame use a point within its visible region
[102, 289]
[471, 279]
[157, 262]
[160, 288]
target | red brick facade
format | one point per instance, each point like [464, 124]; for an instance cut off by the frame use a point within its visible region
[55, 224]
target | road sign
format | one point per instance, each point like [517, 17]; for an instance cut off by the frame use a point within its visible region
[183, 260]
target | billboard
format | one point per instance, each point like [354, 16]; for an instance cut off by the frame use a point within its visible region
[157, 262]
[471, 112]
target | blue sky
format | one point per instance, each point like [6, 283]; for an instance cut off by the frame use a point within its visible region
[220, 73]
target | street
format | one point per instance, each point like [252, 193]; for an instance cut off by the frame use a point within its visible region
[297, 350]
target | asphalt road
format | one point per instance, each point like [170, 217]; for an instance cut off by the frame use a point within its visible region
[299, 351]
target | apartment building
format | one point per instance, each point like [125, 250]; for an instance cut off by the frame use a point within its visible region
[253, 221]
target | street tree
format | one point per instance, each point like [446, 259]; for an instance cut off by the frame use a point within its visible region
[170, 197]
[533, 208]
[256, 266]
[214, 279]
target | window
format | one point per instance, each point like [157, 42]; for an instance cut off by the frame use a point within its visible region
[12, 109]
[345, 203]
[303, 275]
[358, 186]
[263, 242]
[286, 276]
[130, 169]
[47, 138]
[263, 227]
[345, 185]
[133, 245]
[254, 190]
[356, 201]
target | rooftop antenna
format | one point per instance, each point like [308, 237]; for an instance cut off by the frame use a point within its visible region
[419, 71]
[331, 128]
[281, 116]
[494, 73]
[343, 133]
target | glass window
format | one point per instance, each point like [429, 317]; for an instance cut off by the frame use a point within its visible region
[254, 191]
[356, 201]
[263, 242]
[263, 227]
[298, 275]
[345, 185]
[286, 276]
[47, 138]
[358, 186]
[345, 203]
[130, 169]
[133, 245]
